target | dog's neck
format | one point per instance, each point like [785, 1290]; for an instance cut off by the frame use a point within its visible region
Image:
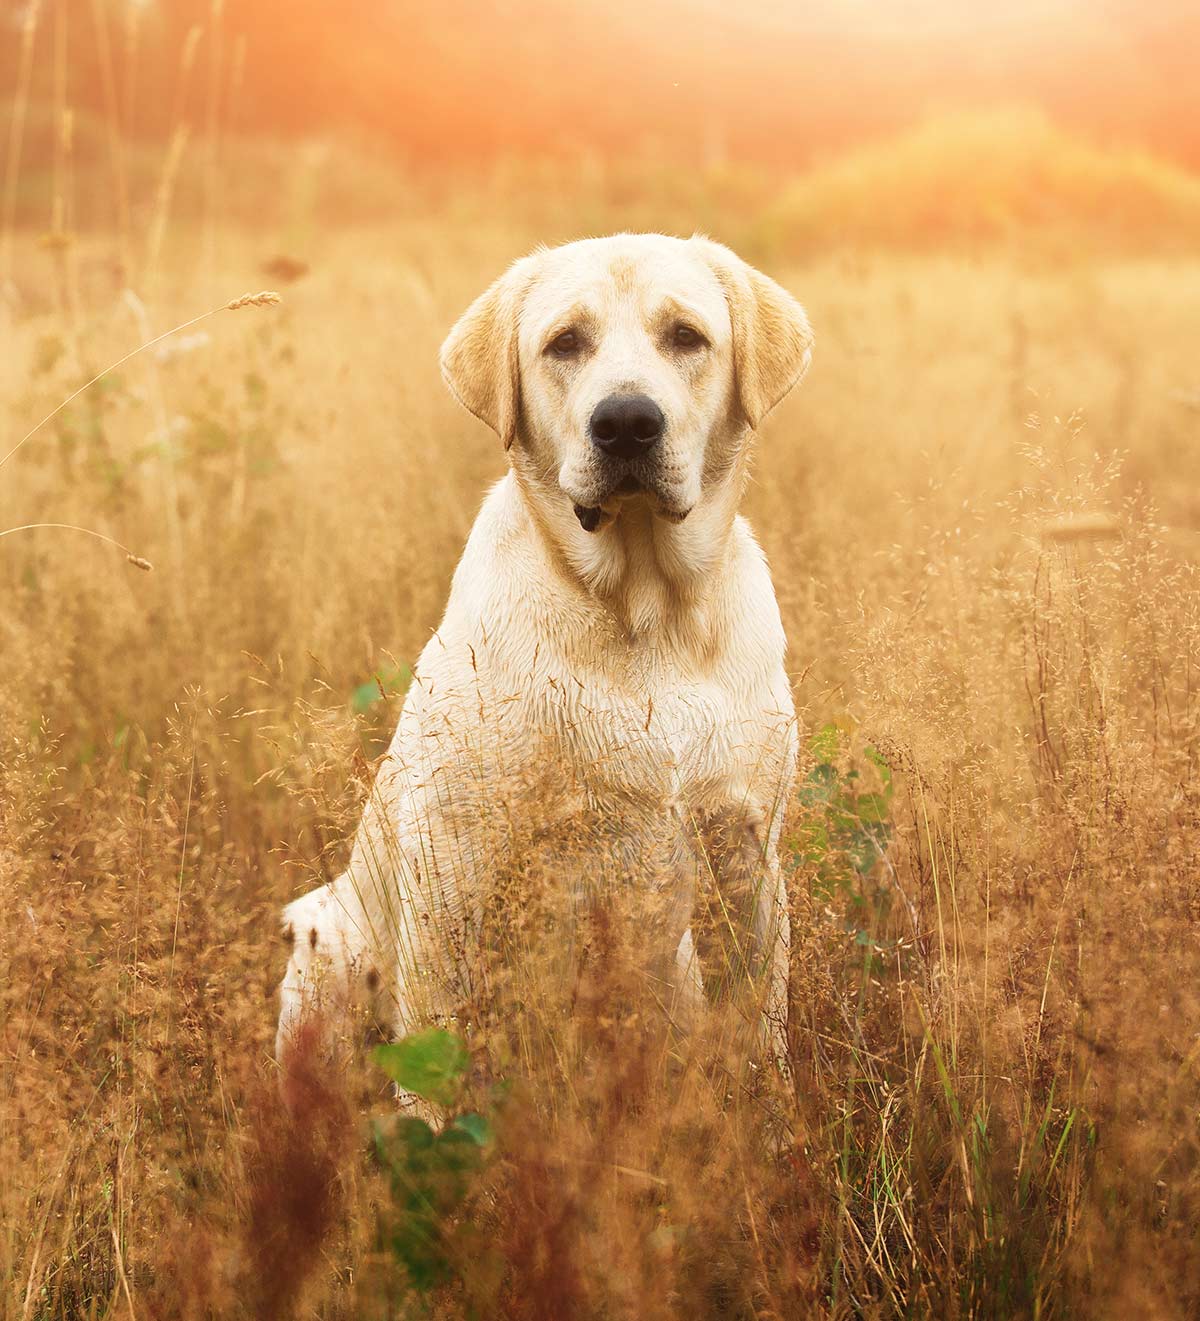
[660, 581]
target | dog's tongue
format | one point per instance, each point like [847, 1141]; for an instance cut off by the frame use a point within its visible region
[589, 519]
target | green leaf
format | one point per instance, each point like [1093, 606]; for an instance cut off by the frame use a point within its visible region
[398, 1138]
[813, 844]
[865, 847]
[430, 1063]
[885, 771]
[391, 679]
[365, 695]
[417, 1244]
[476, 1127]
[826, 743]
[456, 1154]
[872, 807]
[820, 785]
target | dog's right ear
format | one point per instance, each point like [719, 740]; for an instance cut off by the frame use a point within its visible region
[479, 358]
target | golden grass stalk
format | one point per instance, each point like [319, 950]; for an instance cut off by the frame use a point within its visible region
[266, 298]
[180, 131]
[163, 195]
[212, 132]
[112, 119]
[187, 60]
[16, 134]
[133, 29]
[137, 561]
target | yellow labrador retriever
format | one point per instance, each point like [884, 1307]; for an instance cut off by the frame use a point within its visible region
[611, 624]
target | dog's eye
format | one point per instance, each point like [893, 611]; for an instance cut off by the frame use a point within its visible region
[687, 337]
[565, 345]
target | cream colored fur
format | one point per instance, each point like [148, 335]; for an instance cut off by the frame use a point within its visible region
[639, 666]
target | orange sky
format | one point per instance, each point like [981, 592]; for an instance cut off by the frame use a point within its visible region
[764, 79]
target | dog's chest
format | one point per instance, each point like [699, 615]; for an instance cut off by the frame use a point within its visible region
[669, 737]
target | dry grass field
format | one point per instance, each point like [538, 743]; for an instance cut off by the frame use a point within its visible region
[983, 518]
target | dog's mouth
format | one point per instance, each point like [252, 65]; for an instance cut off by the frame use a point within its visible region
[598, 500]
[593, 517]
[589, 517]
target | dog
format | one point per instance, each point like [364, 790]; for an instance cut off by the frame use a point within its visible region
[612, 624]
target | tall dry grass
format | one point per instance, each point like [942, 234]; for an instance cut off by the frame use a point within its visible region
[982, 524]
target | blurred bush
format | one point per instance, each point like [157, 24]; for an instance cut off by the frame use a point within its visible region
[1004, 174]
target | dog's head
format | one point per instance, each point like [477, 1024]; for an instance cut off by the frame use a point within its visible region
[628, 368]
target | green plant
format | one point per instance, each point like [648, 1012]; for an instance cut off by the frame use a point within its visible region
[432, 1171]
[383, 683]
[845, 829]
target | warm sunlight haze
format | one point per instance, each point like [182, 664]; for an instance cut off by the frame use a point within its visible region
[950, 1066]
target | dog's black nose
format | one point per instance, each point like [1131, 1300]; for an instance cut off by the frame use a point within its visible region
[626, 425]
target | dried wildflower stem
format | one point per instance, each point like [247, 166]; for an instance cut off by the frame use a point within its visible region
[136, 560]
[264, 299]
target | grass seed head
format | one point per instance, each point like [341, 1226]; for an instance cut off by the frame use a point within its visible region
[264, 299]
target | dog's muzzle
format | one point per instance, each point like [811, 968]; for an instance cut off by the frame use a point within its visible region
[625, 429]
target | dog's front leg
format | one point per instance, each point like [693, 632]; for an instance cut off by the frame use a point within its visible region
[333, 971]
[689, 983]
[740, 926]
[343, 939]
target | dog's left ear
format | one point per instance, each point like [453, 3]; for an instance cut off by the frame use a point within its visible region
[479, 357]
[772, 340]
